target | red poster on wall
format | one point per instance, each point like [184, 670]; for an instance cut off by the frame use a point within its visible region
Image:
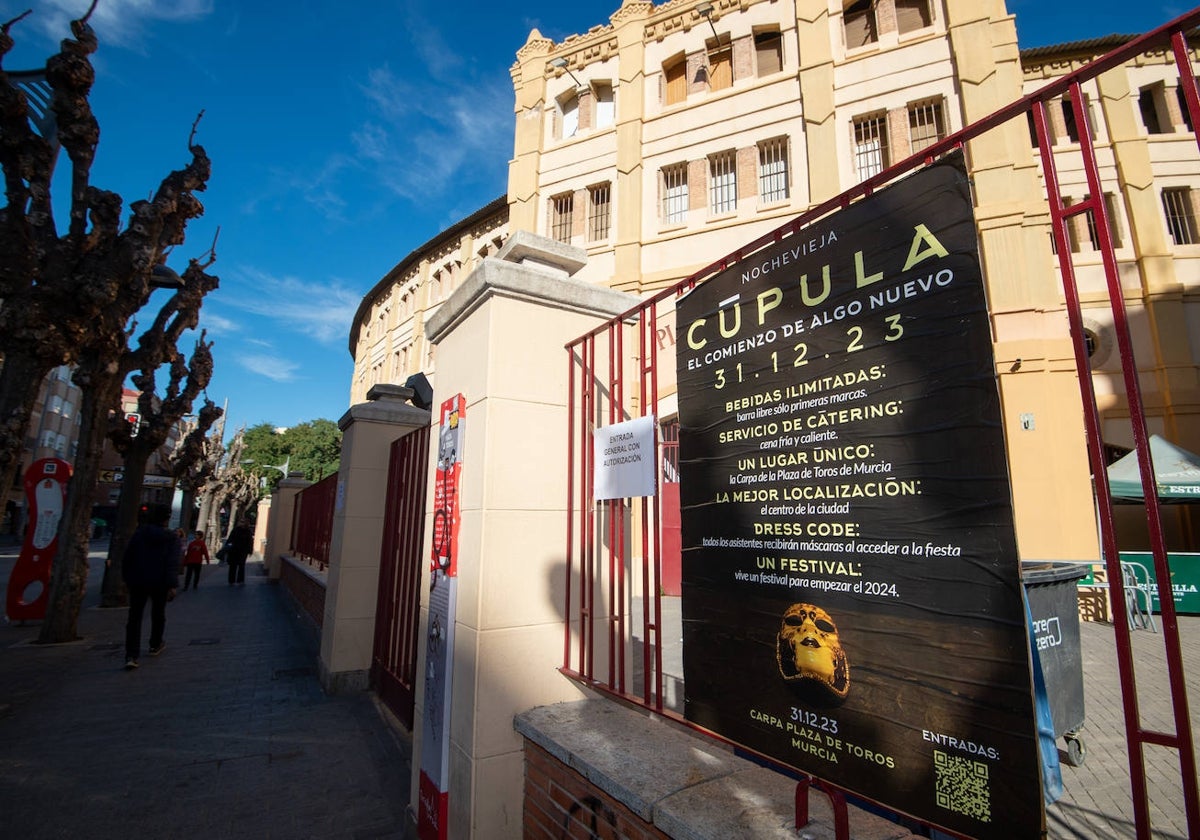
[29, 584]
[434, 804]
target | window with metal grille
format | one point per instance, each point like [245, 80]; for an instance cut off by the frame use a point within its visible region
[560, 216]
[1181, 218]
[912, 15]
[676, 78]
[675, 194]
[1114, 226]
[599, 212]
[768, 52]
[773, 170]
[925, 124]
[858, 19]
[722, 183]
[870, 145]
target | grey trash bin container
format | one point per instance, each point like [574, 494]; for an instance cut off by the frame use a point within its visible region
[1050, 586]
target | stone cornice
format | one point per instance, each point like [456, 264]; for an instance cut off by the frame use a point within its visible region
[540, 274]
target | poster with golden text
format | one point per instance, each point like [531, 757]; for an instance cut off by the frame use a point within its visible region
[852, 601]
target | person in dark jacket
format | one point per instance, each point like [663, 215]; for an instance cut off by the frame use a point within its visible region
[150, 569]
[238, 546]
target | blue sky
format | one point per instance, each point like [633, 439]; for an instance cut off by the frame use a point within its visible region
[342, 136]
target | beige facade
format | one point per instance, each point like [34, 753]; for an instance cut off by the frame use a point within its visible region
[667, 139]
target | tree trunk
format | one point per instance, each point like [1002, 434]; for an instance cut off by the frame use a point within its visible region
[113, 592]
[21, 377]
[187, 512]
[203, 520]
[68, 573]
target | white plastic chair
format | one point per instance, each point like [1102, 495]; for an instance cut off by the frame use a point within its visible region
[1136, 580]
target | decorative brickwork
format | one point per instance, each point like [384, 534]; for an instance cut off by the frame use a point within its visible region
[306, 589]
[560, 803]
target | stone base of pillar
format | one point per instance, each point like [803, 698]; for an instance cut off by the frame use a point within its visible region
[344, 682]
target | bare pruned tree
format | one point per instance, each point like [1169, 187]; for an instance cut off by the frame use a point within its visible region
[69, 298]
[232, 488]
[159, 417]
[192, 462]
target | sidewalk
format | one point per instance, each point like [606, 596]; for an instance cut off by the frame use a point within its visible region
[1096, 801]
[226, 734]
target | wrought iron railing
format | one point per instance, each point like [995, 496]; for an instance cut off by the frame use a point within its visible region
[615, 633]
[312, 521]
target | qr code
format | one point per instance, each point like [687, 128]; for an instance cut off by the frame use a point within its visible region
[961, 785]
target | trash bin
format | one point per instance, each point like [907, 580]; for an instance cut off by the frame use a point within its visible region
[1050, 586]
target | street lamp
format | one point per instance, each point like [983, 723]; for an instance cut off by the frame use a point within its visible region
[561, 64]
[282, 468]
[706, 11]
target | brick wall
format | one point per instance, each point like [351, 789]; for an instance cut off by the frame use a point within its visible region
[307, 591]
[561, 804]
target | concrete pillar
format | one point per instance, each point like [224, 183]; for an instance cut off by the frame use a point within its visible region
[500, 342]
[348, 631]
[262, 517]
[279, 528]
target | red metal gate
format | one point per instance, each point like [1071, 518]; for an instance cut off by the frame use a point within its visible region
[616, 546]
[394, 659]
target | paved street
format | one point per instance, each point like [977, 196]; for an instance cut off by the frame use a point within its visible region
[1096, 803]
[226, 734]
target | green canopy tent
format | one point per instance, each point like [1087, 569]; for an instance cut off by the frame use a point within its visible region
[1177, 475]
[1176, 472]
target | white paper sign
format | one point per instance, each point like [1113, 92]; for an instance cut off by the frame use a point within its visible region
[623, 455]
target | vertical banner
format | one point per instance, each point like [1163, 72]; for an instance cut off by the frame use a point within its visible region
[434, 805]
[852, 599]
[29, 582]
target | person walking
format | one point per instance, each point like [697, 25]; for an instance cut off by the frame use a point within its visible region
[150, 569]
[237, 548]
[195, 554]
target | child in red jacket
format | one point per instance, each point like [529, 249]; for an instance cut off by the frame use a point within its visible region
[195, 554]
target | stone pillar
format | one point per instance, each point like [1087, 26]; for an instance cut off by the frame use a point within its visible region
[1054, 513]
[262, 517]
[500, 342]
[348, 631]
[279, 527]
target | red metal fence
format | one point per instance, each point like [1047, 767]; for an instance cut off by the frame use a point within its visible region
[394, 658]
[312, 521]
[614, 633]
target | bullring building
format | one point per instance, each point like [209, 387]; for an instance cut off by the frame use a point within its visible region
[673, 134]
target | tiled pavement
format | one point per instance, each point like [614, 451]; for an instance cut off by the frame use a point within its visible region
[226, 734]
[1096, 803]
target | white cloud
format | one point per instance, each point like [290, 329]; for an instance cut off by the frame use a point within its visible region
[217, 324]
[276, 368]
[116, 22]
[464, 134]
[322, 311]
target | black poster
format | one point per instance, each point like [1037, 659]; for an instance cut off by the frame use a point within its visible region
[851, 587]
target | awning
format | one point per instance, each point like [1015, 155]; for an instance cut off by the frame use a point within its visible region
[1176, 472]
